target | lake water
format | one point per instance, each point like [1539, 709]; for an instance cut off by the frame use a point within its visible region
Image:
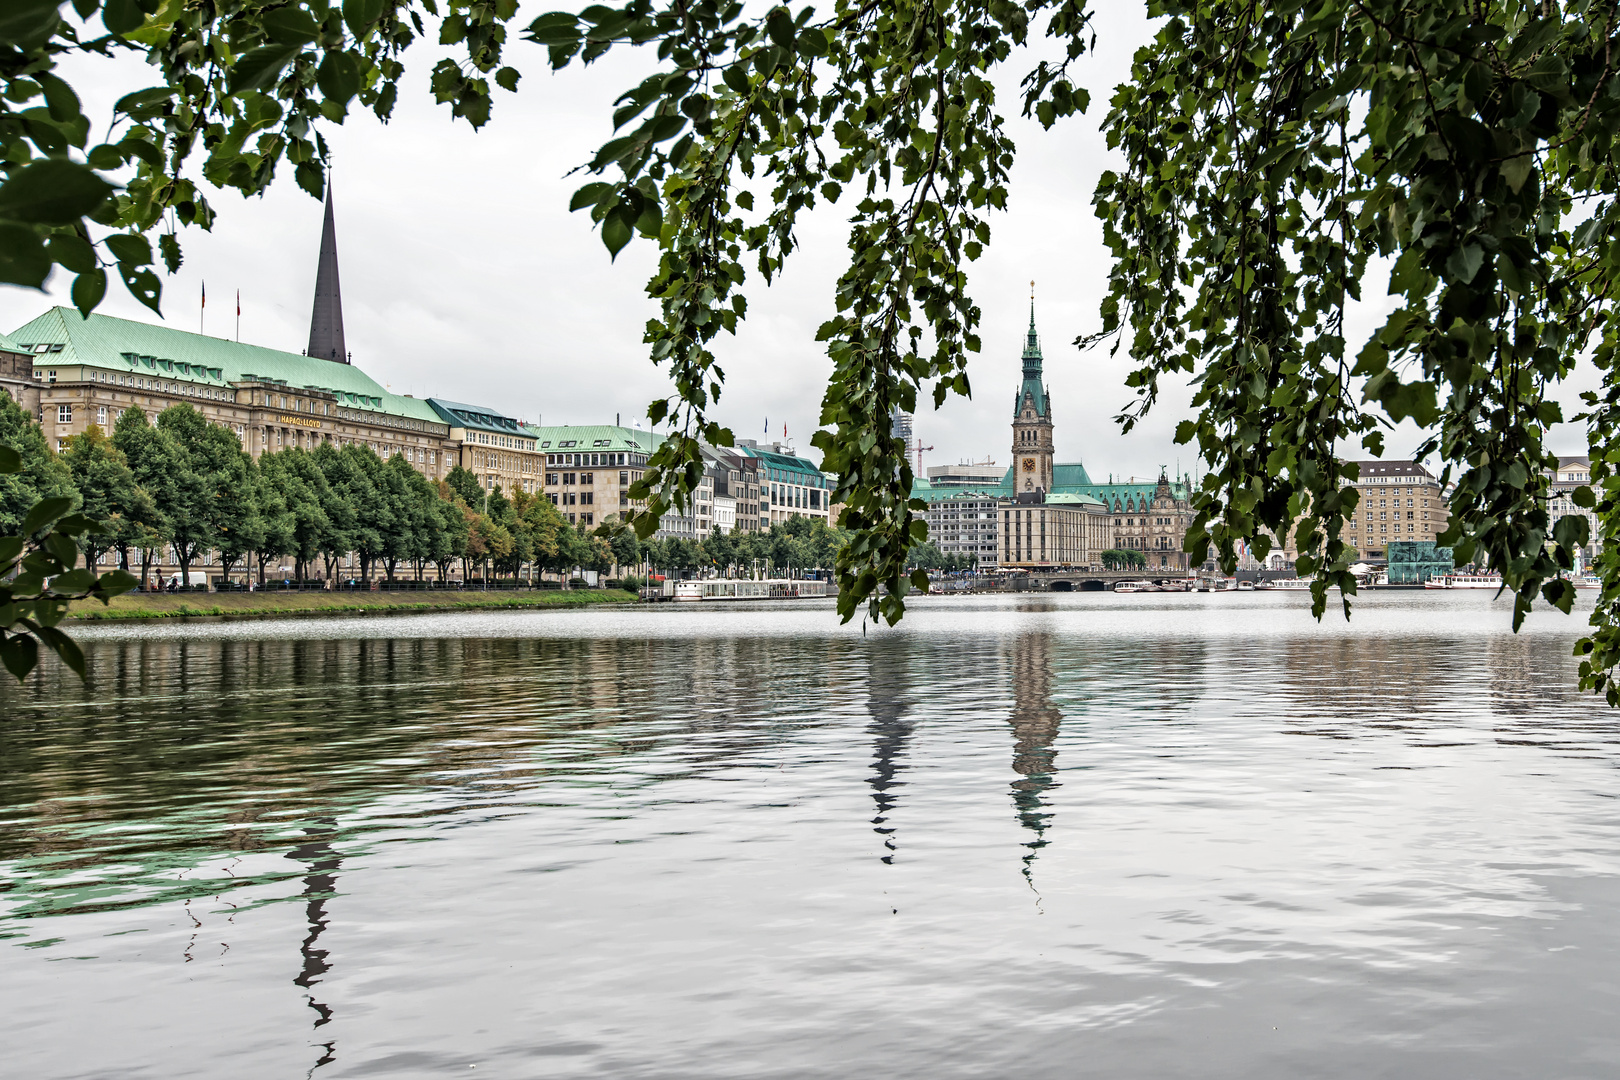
[1035, 836]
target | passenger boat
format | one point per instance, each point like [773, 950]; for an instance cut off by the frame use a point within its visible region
[1132, 586]
[743, 589]
[1586, 581]
[1296, 584]
[1464, 581]
[1245, 586]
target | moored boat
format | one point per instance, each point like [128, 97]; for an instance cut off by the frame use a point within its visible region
[1464, 581]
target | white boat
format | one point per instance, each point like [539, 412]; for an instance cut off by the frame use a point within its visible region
[1464, 581]
[744, 589]
[1586, 581]
[1245, 586]
[1132, 586]
[1297, 584]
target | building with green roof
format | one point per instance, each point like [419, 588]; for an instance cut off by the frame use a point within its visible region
[1151, 517]
[88, 370]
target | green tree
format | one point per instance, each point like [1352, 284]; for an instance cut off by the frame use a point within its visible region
[467, 486]
[364, 490]
[335, 495]
[105, 485]
[451, 543]
[209, 480]
[720, 551]
[302, 485]
[154, 459]
[43, 475]
[248, 527]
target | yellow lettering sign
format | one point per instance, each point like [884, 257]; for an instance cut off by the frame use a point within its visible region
[301, 421]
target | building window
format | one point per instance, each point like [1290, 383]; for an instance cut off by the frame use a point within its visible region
[64, 413]
[101, 415]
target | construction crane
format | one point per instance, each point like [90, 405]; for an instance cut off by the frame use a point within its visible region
[920, 449]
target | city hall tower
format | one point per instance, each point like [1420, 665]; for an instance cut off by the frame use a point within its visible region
[1032, 424]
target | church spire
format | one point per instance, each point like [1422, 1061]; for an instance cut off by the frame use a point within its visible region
[326, 321]
[1032, 343]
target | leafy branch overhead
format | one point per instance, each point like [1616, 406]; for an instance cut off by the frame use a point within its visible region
[38, 580]
[1269, 153]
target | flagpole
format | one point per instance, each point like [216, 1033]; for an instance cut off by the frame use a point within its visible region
[202, 308]
[239, 316]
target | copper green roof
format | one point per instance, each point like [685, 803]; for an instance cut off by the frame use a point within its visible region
[587, 437]
[1032, 385]
[123, 345]
[7, 345]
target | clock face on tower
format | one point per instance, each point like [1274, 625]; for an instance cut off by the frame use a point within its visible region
[1029, 464]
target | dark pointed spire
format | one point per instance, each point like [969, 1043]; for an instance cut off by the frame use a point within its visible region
[326, 322]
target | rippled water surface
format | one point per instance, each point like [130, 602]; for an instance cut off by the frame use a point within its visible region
[1088, 835]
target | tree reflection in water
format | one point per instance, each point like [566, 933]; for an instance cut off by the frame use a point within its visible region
[320, 884]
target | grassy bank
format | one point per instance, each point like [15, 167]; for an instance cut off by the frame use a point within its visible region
[250, 605]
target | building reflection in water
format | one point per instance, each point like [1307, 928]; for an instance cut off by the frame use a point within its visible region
[889, 703]
[1035, 721]
[319, 886]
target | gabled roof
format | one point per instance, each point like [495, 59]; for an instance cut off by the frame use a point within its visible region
[7, 345]
[124, 345]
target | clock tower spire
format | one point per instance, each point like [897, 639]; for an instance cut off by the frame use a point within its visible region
[1032, 422]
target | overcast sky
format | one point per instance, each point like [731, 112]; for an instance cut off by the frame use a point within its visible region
[465, 277]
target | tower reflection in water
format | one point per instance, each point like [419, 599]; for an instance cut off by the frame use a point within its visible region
[319, 885]
[891, 729]
[1035, 721]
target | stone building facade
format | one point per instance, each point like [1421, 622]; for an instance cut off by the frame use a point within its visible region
[17, 375]
[89, 370]
[1066, 531]
[1399, 500]
[589, 469]
[498, 449]
[966, 525]
[1154, 523]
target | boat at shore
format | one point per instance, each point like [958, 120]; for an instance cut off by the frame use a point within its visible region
[1296, 584]
[1133, 586]
[1464, 581]
[745, 589]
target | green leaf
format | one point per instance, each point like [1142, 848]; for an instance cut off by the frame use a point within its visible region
[290, 25]
[615, 234]
[507, 78]
[52, 191]
[43, 513]
[19, 653]
[59, 97]
[1465, 262]
[169, 249]
[130, 248]
[10, 461]
[359, 15]
[88, 290]
[260, 69]
[779, 25]
[122, 16]
[71, 253]
[1582, 496]
[589, 195]
[143, 285]
[1515, 171]
[28, 22]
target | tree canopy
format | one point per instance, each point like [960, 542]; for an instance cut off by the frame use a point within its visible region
[1271, 153]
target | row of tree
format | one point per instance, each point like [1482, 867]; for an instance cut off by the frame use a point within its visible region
[182, 486]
